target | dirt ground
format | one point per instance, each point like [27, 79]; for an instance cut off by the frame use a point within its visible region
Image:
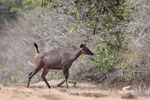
[84, 91]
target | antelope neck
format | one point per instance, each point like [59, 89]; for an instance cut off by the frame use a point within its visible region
[76, 54]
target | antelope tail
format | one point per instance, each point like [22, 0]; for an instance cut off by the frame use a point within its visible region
[36, 48]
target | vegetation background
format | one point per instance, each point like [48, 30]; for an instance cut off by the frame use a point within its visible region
[118, 31]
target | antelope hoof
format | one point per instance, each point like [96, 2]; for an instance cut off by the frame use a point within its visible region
[59, 85]
[49, 87]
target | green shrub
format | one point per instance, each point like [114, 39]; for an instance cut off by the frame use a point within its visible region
[106, 57]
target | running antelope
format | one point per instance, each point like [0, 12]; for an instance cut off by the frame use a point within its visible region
[60, 61]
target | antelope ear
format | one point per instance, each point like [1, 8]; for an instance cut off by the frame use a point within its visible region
[82, 45]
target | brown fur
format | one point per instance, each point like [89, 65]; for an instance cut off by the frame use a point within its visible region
[57, 60]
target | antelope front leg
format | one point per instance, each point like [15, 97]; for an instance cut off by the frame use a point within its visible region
[66, 74]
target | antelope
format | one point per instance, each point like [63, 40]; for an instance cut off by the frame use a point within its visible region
[57, 61]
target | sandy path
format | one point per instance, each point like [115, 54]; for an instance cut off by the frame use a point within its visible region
[39, 91]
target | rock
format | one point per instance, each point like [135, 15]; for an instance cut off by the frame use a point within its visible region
[126, 88]
[127, 96]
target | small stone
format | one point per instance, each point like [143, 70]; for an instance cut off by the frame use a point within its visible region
[127, 96]
[126, 88]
